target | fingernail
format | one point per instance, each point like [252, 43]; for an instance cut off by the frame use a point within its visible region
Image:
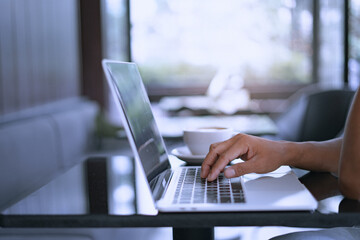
[210, 177]
[230, 173]
[202, 173]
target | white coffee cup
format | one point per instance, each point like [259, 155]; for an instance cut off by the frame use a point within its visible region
[199, 140]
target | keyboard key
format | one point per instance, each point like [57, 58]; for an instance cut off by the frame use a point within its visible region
[193, 189]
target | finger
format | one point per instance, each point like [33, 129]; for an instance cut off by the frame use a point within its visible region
[215, 151]
[209, 160]
[216, 169]
[240, 169]
[234, 151]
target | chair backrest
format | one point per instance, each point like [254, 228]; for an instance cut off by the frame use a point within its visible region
[37, 144]
[316, 116]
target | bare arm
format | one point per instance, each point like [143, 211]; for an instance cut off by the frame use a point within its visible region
[262, 155]
[339, 155]
[349, 166]
[318, 156]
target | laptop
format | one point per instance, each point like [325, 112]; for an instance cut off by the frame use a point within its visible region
[181, 189]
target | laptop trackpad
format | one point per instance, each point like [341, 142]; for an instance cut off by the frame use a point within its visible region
[272, 182]
[276, 189]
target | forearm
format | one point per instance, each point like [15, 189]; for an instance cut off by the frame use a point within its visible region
[315, 156]
[349, 166]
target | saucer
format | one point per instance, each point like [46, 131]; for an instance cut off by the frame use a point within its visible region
[184, 154]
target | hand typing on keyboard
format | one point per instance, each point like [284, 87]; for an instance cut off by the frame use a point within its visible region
[260, 156]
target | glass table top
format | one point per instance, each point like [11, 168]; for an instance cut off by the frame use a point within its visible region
[103, 191]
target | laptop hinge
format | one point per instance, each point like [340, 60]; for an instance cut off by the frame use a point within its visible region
[159, 184]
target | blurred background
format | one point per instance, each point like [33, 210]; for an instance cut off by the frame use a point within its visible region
[252, 53]
[271, 49]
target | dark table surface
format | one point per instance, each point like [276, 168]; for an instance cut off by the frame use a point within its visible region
[100, 193]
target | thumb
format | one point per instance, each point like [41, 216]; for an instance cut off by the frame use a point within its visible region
[239, 169]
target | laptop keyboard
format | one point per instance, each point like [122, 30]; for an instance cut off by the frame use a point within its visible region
[192, 188]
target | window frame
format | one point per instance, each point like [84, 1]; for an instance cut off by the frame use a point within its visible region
[266, 91]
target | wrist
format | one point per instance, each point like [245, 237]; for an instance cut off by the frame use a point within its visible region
[292, 152]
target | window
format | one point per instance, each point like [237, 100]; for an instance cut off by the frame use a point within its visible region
[185, 42]
[331, 43]
[354, 42]
[115, 29]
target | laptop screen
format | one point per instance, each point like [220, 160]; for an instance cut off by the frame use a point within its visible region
[138, 119]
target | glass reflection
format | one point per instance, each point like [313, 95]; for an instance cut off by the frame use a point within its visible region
[121, 189]
[72, 192]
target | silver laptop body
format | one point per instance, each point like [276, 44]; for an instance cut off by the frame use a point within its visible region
[276, 191]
